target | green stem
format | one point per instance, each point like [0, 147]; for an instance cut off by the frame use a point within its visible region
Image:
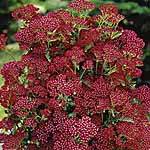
[75, 67]
[112, 112]
[97, 66]
[48, 51]
[82, 74]
[104, 67]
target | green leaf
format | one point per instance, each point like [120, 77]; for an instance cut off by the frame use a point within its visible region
[2, 80]
[22, 79]
[2, 112]
[115, 35]
[72, 115]
[47, 55]
[77, 139]
[135, 101]
[109, 71]
[148, 117]
[88, 47]
[124, 119]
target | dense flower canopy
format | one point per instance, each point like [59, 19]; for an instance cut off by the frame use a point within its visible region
[74, 89]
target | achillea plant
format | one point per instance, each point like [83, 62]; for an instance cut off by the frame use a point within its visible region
[75, 87]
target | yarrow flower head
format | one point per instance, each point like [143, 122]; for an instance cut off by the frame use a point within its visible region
[25, 13]
[74, 88]
[108, 9]
[81, 5]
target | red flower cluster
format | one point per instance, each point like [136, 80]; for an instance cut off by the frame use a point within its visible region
[81, 5]
[74, 87]
[25, 13]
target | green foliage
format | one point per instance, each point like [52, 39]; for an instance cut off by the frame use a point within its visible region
[23, 78]
[126, 6]
[132, 8]
[2, 112]
[44, 5]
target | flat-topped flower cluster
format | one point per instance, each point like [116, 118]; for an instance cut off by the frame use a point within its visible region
[74, 89]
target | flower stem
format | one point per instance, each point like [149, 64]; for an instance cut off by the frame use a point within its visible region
[82, 74]
[75, 67]
[97, 66]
